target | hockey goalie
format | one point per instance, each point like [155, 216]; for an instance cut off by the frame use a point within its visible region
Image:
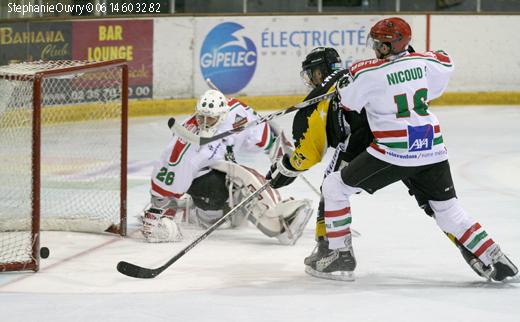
[199, 184]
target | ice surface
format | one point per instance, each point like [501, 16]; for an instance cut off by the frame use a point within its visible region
[407, 269]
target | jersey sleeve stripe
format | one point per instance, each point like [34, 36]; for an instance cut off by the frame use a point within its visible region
[365, 64]
[266, 137]
[178, 152]
[389, 134]
[387, 63]
[233, 101]
[378, 149]
[163, 192]
[442, 56]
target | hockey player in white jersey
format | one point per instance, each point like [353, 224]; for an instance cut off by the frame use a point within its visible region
[348, 132]
[201, 183]
[394, 89]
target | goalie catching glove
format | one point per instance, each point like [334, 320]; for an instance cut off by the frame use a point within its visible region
[158, 221]
[281, 173]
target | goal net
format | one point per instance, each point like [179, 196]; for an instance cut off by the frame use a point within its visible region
[63, 134]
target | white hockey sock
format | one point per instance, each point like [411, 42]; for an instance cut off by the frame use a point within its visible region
[453, 219]
[337, 209]
[477, 241]
[337, 225]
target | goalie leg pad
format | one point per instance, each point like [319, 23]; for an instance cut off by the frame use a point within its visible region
[295, 223]
[285, 221]
[206, 218]
[268, 213]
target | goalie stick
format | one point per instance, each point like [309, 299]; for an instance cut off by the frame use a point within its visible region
[136, 271]
[191, 137]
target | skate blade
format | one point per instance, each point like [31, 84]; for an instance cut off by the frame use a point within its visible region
[512, 279]
[355, 233]
[337, 276]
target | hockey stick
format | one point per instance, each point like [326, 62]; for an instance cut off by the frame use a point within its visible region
[133, 270]
[191, 137]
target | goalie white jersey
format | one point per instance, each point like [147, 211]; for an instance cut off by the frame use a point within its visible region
[395, 94]
[182, 162]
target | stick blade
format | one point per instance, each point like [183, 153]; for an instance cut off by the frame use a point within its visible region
[132, 270]
[185, 134]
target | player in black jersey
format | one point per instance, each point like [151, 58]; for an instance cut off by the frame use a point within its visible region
[320, 126]
[324, 124]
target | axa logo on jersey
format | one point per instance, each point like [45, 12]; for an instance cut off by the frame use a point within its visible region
[420, 138]
[228, 58]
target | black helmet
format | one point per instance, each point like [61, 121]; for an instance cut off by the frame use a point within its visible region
[325, 58]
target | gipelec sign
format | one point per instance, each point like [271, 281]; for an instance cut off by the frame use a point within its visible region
[228, 58]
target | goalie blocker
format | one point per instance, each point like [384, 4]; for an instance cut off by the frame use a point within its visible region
[274, 217]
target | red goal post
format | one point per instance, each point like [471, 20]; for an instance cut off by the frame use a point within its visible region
[63, 153]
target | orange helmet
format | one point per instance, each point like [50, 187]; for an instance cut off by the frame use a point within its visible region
[394, 31]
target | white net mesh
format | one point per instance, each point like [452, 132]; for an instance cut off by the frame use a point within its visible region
[29, 69]
[81, 131]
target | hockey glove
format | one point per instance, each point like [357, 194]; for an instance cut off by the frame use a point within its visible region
[230, 154]
[281, 173]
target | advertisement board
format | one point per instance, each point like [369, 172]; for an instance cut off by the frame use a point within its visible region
[30, 41]
[263, 55]
[255, 55]
[102, 40]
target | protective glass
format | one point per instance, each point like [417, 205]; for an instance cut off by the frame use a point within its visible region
[206, 122]
[306, 76]
[373, 43]
[312, 78]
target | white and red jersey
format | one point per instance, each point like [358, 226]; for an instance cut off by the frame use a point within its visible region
[182, 162]
[395, 94]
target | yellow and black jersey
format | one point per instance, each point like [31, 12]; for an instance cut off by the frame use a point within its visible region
[325, 124]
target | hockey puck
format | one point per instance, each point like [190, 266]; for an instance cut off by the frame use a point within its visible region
[44, 252]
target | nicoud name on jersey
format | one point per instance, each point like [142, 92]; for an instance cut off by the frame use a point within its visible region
[404, 76]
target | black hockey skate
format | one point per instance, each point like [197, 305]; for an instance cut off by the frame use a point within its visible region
[321, 249]
[336, 264]
[503, 269]
[474, 262]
